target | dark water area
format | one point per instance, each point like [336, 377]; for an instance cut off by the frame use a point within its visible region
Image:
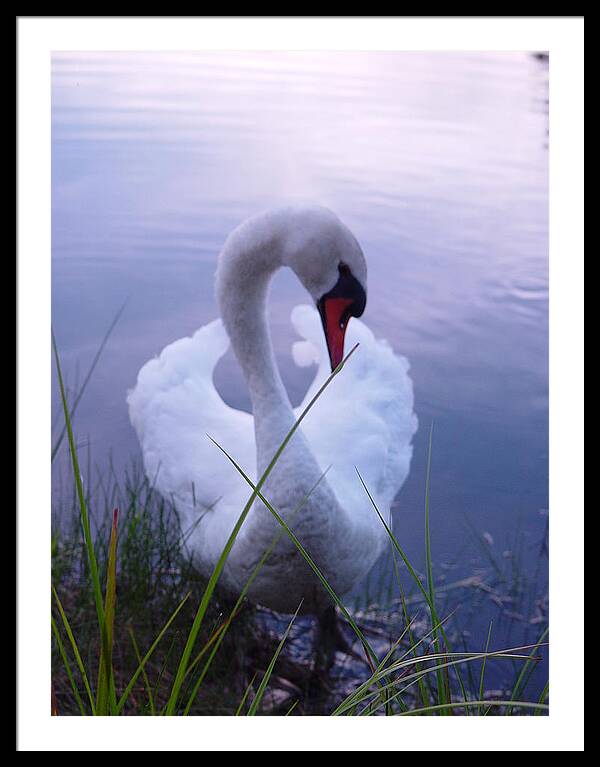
[436, 161]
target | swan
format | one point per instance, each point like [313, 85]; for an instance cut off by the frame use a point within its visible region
[364, 418]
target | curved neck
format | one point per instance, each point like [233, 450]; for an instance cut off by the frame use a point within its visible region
[249, 259]
[243, 279]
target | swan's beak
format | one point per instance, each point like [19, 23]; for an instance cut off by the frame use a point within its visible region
[346, 299]
[335, 315]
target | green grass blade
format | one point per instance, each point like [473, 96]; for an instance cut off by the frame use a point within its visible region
[355, 696]
[265, 680]
[214, 642]
[408, 621]
[543, 697]
[412, 678]
[86, 380]
[442, 683]
[426, 595]
[482, 675]
[389, 655]
[89, 544]
[87, 534]
[245, 696]
[147, 656]
[519, 686]
[144, 675]
[67, 665]
[163, 667]
[75, 649]
[470, 704]
[106, 698]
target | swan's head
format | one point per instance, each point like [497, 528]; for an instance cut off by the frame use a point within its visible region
[330, 264]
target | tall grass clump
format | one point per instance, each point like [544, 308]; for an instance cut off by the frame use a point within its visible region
[137, 631]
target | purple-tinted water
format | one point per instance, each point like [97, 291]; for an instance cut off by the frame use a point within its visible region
[438, 164]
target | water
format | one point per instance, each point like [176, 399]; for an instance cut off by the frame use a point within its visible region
[436, 161]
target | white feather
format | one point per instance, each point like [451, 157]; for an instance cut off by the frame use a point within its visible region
[364, 420]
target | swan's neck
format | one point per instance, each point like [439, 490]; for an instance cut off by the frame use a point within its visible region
[243, 280]
[250, 257]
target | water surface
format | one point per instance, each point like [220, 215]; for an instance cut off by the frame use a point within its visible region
[438, 164]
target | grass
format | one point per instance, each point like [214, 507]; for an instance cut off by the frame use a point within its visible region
[136, 630]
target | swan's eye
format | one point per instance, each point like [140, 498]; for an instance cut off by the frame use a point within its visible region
[349, 288]
[344, 318]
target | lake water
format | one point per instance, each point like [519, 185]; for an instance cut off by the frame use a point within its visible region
[436, 161]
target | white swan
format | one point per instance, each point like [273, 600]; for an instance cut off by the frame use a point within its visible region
[364, 419]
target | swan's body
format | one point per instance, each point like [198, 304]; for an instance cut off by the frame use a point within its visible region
[364, 419]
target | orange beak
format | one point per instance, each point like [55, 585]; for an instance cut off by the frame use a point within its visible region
[335, 314]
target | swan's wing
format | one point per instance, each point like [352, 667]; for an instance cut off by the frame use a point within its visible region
[364, 418]
[174, 407]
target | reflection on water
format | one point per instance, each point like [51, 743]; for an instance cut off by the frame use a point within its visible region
[438, 164]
